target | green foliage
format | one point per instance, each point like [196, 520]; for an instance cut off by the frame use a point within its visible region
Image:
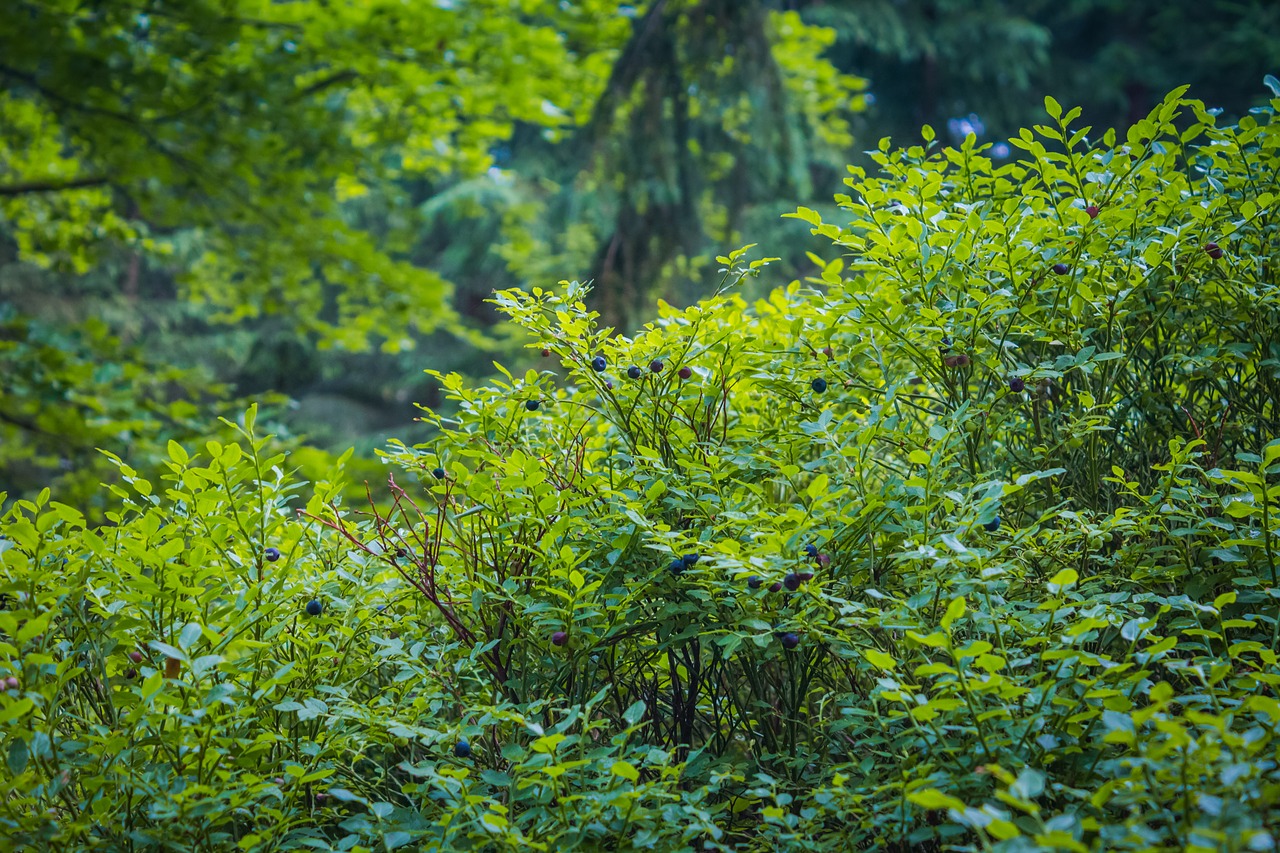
[252, 122]
[1042, 614]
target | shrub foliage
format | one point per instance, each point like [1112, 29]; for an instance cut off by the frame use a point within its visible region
[969, 543]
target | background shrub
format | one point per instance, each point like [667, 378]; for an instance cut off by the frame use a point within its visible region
[1005, 578]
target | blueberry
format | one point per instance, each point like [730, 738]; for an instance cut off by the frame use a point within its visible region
[811, 550]
[532, 405]
[314, 607]
[685, 373]
[775, 586]
[608, 384]
[791, 581]
[829, 352]
[1061, 269]
[804, 576]
[1092, 210]
[131, 673]
[1016, 384]
[676, 566]
[956, 360]
[462, 749]
[945, 344]
[790, 640]
[272, 554]
[598, 364]
[755, 582]
[993, 525]
[633, 372]
[438, 473]
[818, 385]
[690, 560]
[656, 365]
[1214, 250]
[135, 656]
[559, 638]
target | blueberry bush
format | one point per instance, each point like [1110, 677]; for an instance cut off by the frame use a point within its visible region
[968, 543]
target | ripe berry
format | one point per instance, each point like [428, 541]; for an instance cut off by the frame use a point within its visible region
[532, 405]
[818, 385]
[676, 567]
[1092, 210]
[598, 364]
[135, 656]
[633, 372]
[314, 607]
[1214, 250]
[791, 581]
[462, 749]
[790, 640]
[129, 673]
[690, 560]
[755, 582]
[775, 586]
[559, 638]
[829, 352]
[272, 554]
[1016, 384]
[685, 373]
[804, 576]
[993, 525]
[1061, 269]
[956, 360]
[824, 560]
[608, 384]
[546, 353]
[438, 473]
[811, 550]
[945, 343]
[656, 365]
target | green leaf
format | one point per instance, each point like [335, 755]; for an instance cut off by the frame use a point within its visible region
[17, 756]
[626, 770]
[879, 659]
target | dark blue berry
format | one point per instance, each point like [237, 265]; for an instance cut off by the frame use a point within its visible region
[791, 581]
[993, 525]
[438, 473]
[598, 364]
[532, 405]
[314, 607]
[272, 554]
[677, 566]
[790, 640]
[1017, 384]
[690, 560]
[811, 550]
[1061, 269]
[775, 586]
[633, 372]
[656, 365]
[818, 385]
[462, 749]
[755, 582]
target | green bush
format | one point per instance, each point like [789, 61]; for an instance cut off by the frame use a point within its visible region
[1038, 476]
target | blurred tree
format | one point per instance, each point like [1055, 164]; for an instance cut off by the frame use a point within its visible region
[985, 65]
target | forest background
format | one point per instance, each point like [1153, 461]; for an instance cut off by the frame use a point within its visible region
[307, 203]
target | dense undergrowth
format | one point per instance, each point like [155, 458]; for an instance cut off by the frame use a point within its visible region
[971, 544]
